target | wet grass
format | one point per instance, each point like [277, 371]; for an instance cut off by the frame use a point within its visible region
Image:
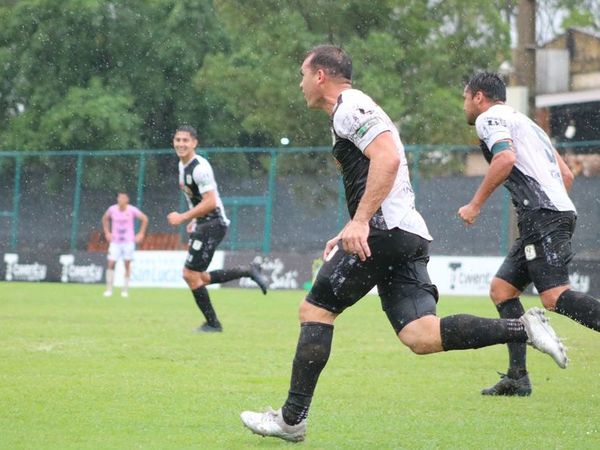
[81, 371]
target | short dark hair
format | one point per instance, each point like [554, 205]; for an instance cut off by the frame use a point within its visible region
[187, 128]
[490, 84]
[332, 59]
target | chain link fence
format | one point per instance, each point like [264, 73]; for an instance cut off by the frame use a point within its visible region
[278, 199]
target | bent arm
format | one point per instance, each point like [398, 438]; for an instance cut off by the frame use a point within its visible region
[106, 225]
[565, 173]
[144, 223]
[205, 207]
[383, 167]
[500, 167]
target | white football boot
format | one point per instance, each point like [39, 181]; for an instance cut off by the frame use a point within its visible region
[271, 423]
[543, 337]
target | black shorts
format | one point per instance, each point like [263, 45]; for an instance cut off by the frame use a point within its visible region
[397, 266]
[542, 253]
[203, 243]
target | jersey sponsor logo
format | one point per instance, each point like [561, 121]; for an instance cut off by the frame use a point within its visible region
[495, 122]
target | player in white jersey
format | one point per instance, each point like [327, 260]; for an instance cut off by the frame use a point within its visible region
[385, 244]
[522, 158]
[207, 225]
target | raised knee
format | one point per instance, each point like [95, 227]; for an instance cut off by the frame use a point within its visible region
[416, 345]
[419, 348]
[496, 294]
[194, 279]
[549, 302]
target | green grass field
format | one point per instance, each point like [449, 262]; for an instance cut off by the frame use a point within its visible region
[81, 371]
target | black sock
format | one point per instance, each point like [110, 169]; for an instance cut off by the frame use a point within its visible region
[517, 351]
[203, 302]
[463, 331]
[312, 353]
[221, 276]
[579, 307]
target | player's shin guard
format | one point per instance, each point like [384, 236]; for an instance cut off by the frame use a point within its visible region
[517, 351]
[204, 304]
[312, 353]
[579, 307]
[463, 331]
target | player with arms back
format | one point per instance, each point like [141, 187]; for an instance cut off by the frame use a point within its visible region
[522, 158]
[207, 225]
[385, 244]
[122, 238]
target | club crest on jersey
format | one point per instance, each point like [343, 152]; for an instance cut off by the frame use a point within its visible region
[530, 253]
[188, 179]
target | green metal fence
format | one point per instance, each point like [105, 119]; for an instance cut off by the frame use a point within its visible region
[418, 156]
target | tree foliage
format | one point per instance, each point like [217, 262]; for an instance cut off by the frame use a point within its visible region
[85, 74]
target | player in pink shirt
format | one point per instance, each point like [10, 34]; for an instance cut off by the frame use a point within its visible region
[122, 238]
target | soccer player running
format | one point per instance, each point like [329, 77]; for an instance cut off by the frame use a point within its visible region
[385, 244]
[207, 225]
[121, 236]
[522, 158]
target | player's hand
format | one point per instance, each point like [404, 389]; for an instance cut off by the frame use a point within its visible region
[469, 213]
[354, 239]
[139, 238]
[174, 218]
[331, 243]
[108, 237]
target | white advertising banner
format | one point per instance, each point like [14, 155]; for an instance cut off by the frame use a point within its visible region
[463, 275]
[161, 269]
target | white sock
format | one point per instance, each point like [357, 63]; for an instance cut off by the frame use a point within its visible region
[125, 284]
[110, 276]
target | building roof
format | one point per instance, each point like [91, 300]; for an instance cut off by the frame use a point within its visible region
[589, 31]
[567, 98]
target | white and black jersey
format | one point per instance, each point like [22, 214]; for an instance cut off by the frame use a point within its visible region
[195, 178]
[535, 181]
[356, 121]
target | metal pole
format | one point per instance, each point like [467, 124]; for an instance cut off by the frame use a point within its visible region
[76, 202]
[140, 183]
[269, 205]
[16, 200]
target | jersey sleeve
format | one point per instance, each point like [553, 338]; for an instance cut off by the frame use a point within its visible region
[136, 211]
[360, 124]
[204, 177]
[492, 130]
